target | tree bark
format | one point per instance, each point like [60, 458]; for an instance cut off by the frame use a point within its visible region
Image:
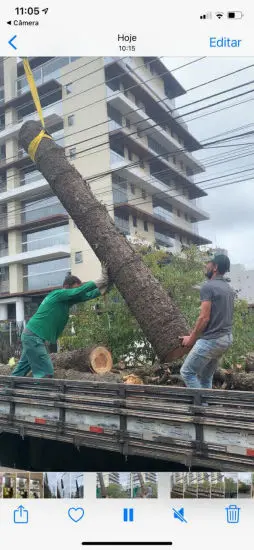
[156, 313]
[96, 359]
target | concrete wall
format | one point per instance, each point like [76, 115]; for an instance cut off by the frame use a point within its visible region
[88, 104]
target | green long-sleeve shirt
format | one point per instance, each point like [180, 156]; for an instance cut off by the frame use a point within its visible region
[52, 315]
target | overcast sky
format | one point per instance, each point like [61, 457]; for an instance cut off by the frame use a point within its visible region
[230, 207]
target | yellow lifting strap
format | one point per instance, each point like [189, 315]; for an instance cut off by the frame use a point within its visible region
[34, 92]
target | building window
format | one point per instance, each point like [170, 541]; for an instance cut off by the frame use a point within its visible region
[179, 213]
[182, 166]
[133, 189]
[68, 88]
[71, 119]
[43, 208]
[46, 274]
[141, 164]
[144, 195]
[134, 220]
[72, 152]
[145, 225]
[186, 217]
[139, 134]
[54, 236]
[174, 160]
[128, 123]
[2, 122]
[78, 257]
[130, 155]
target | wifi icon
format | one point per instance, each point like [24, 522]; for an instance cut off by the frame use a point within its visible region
[219, 15]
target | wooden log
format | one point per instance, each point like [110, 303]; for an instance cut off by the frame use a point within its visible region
[97, 359]
[151, 305]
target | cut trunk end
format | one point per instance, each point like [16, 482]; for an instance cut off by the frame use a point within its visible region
[100, 360]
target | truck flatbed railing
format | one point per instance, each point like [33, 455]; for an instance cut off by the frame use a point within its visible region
[207, 428]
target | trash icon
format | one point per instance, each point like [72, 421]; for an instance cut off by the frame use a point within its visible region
[233, 513]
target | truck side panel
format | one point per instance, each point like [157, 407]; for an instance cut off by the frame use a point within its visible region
[208, 428]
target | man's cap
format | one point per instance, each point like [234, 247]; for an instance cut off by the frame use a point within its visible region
[222, 261]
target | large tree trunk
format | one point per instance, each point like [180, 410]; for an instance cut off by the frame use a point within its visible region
[96, 359]
[158, 316]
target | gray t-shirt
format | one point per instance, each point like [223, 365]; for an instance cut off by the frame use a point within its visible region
[221, 294]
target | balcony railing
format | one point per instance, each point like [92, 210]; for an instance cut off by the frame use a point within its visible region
[115, 157]
[44, 280]
[44, 73]
[1, 95]
[56, 109]
[122, 225]
[113, 125]
[162, 213]
[4, 287]
[45, 242]
[163, 239]
[4, 251]
[119, 196]
[3, 221]
[3, 187]
[31, 177]
[37, 213]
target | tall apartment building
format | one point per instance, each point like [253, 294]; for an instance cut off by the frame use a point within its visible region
[148, 477]
[242, 281]
[111, 477]
[116, 119]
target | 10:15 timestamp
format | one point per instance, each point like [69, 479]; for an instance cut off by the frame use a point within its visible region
[127, 48]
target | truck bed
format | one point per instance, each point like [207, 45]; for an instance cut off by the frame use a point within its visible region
[205, 428]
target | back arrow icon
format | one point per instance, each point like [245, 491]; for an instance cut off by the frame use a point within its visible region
[11, 42]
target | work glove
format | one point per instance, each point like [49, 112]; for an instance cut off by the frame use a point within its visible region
[103, 282]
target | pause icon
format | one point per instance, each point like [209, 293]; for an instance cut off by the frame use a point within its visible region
[128, 514]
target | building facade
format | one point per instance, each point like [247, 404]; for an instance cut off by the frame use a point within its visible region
[242, 281]
[117, 120]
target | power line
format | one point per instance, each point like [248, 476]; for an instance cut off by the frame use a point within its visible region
[106, 143]
[136, 85]
[148, 180]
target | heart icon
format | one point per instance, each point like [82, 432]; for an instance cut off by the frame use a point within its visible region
[76, 514]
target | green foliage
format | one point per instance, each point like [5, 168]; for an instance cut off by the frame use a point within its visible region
[116, 491]
[112, 324]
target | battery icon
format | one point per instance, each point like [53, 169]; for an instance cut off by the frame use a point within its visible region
[234, 14]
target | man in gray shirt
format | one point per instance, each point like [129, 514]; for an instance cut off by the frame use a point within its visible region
[212, 334]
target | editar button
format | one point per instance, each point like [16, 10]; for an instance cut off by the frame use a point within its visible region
[224, 42]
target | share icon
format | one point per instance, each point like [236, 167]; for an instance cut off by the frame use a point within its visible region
[179, 514]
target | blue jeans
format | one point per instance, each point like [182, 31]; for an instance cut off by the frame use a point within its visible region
[200, 364]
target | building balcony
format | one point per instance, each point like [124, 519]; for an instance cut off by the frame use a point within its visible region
[169, 145]
[46, 242]
[26, 191]
[137, 176]
[122, 224]
[163, 214]
[137, 115]
[43, 74]
[50, 252]
[175, 225]
[2, 95]
[52, 115]
[44, 282]
[4, 252]
[163, 239]
[4, 287]
[119, 196]
[38, 213]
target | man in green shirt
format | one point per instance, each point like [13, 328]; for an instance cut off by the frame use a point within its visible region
[49, 321]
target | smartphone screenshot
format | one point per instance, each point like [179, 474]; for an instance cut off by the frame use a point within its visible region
[126, 275]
